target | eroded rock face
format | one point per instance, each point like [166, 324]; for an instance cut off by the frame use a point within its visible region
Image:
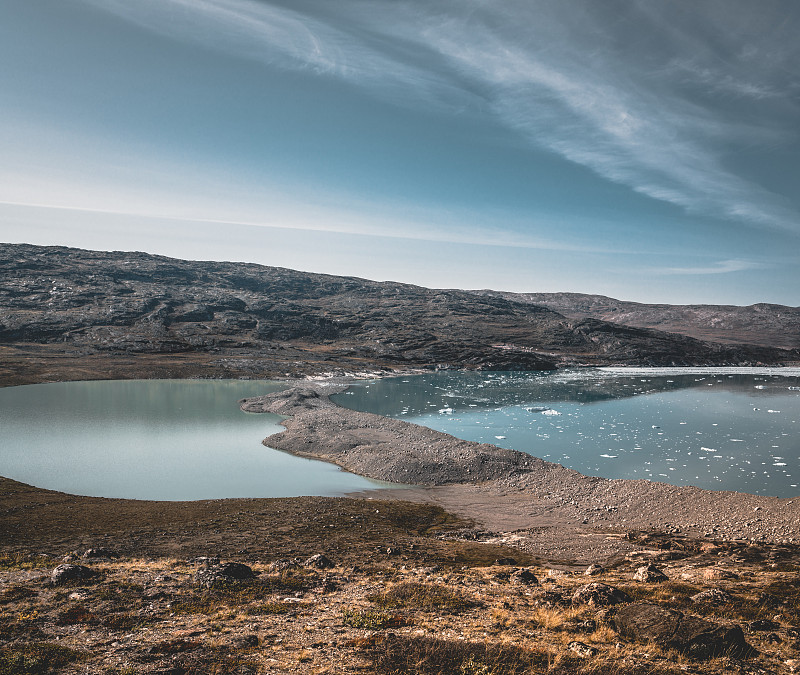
[698, 638]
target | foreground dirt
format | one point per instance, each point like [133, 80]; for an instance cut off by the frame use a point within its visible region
[409, 592]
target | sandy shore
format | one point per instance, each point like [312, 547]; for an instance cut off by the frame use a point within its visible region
[544, 508]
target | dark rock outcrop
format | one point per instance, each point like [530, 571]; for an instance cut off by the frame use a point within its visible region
[698, 638]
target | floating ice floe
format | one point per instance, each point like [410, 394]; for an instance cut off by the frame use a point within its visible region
[610, 456]
[550, 412]
[499, 438]
[773, 411]
[537, 408]
[446, 411]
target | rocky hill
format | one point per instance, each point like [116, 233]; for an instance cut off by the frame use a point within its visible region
[249, 319]
[760, 324]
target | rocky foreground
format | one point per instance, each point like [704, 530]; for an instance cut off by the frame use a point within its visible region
[73, 314]
[324, 585]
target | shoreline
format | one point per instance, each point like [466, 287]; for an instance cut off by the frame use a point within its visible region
[515, 499]
[544, 508]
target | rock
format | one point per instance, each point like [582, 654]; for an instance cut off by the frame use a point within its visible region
[65, 573]
[583, 650]
[650, 573]
[698, 638]
[598, 594]
[80, 594]
[392, 550]
[319, 561]
[505, 561]
[581, 626]
[713, 596]
[283, 564]
[225, 573]
[793, 665]
[100, 553]
[594, 569]
[709, 574]
[245, 641]
[524, 577]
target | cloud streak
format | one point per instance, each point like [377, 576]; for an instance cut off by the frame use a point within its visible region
[721, 267]
[640, 94]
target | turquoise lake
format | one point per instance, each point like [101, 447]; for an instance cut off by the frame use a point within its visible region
[718, 428]
[154, 439]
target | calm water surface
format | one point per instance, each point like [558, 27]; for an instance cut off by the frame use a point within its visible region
[154, 439]
[720, 428]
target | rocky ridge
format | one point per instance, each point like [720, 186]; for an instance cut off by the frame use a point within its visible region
[760, 324]
[235, 319]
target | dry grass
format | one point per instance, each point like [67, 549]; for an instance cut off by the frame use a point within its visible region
[424, 597]
[36, 658]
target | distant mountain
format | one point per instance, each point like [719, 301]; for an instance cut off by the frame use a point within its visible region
[238, 318]
[762, 324]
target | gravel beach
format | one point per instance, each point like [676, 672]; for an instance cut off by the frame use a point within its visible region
[539, 506]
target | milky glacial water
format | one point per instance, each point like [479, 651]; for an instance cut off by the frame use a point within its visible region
[154, 439]
[720, 428]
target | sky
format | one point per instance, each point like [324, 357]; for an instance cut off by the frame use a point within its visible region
[641, 149]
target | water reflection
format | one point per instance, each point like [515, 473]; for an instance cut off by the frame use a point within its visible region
[154, 439]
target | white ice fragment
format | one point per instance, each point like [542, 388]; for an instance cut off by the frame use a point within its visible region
[609, 456]
[550, 412]
[499, 438]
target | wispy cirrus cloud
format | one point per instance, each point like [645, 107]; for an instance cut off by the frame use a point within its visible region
[721, 267]
[653, 97]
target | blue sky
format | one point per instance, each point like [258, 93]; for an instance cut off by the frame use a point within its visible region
[646, 150]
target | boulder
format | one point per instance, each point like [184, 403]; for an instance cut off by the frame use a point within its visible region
[505, 561]
[65, 573]
[581, 649]
[697, 638]
[226, 573]
[598, 594]
[282, 564]
[594, 569]
[524, 577]
[649, 573]
[713, 596]
[319, 561]
[100, 552]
